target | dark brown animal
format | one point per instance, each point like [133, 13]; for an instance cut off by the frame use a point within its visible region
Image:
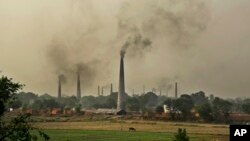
[131, 129]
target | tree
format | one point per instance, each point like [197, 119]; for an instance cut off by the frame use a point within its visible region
[148, 100]
[16, 104]
[88, 101]
[46, 96]
[8, 90]
[171, 104]
[205, 111]
[51, 103]
[199, 98]
[112, 100]
[246, 106]
[181, 135]
[184, 104]
[159, 109]
[45, 104]
[17, 128]
[132, 104]
[221, 106]
[38, 105]
[26, 98]
[69, 101]
[168, 102]
[78, 108]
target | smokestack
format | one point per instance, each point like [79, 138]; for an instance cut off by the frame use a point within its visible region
[98, 90]
[176, 90]
[167, 92]
[102, 90]
[143, 89]
[160, 91]
[59, 87]
[111, 88]
[121, 94]
[78, 93]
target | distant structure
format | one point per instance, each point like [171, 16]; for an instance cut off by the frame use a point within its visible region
[78, 89]
[160, 91]
[121, 94]
[143, 89]
[102, 91]
[166, 92]
[111, 88]
[176, 90]
[98, 90]
[59, 87]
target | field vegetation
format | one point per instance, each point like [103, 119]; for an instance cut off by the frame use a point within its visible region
[118, 130]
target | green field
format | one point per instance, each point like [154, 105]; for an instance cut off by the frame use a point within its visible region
[117, 130]
[102, 135]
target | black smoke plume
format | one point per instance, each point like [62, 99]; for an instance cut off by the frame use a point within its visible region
[138, 45]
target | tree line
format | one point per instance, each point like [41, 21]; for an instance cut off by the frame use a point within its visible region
[210, 108]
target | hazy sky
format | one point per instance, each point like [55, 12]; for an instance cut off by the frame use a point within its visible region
[203, 45]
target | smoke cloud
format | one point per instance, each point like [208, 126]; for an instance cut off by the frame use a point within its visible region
[138, 45]
[63, 62]
[183, 21]
[62, 78]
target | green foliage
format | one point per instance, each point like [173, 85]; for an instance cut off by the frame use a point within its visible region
[46, 96]
[78, 108]
[45, 104]
[112, 100]
[168, 102]
[17, 128]
[7, 91]
[148, 100]
[184, 104]
[132, 104]
[159, 109]
[26, 97]
[88, 101]
[246, 106]
[108, 101]
[15, 104]
[37, 105]
[221, 106]
[112, 135]
[205, 111]
[181, 135]
[69, 101]
[199, 98]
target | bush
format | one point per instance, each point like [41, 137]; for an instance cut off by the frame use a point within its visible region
[181, 135]
[19, 127]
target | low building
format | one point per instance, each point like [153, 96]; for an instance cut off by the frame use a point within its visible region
[55, 111]
[106, 111]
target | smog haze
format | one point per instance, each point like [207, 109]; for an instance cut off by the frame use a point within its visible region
[202, 45]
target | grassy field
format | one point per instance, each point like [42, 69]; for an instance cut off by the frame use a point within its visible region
[101, 135]
[118, 131]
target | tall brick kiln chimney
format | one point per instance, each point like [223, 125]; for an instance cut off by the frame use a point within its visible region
[59, 87]
[102, 90]
[121, 94]
[176, 90]
[111, 88]
[98, 90]
[78, 89]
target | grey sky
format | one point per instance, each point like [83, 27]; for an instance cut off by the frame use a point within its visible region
[202, 45]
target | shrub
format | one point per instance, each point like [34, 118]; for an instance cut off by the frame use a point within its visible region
[181, 135]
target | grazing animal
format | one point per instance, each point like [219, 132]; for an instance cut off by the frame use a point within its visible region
[131, 129]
